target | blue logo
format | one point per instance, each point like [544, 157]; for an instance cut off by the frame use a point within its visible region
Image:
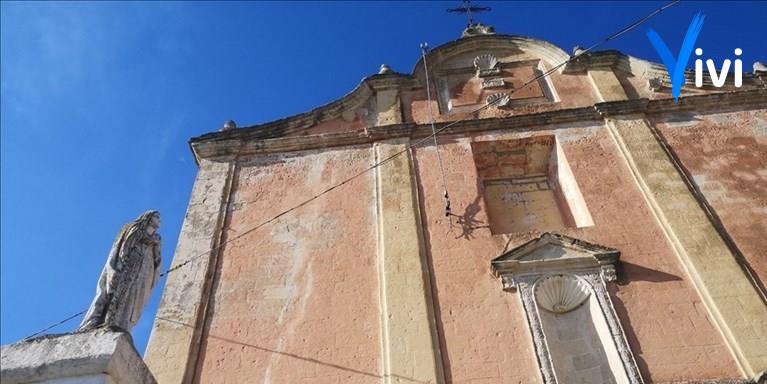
[676, 66]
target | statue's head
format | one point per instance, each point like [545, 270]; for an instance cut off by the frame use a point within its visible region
[149, 221]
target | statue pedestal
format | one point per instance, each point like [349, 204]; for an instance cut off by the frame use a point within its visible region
[92, 357]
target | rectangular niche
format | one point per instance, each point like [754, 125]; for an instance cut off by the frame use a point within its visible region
[562, 283]
[527, 185]
[463, 89]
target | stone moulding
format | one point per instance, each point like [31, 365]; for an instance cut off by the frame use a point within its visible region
[558, 273]
[542, 50]
[272, 139]
[493, 83]
[513, 264]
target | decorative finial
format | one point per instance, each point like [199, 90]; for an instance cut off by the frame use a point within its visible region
[229, 125]
[385, 68]
[577, 50]
[478, 29]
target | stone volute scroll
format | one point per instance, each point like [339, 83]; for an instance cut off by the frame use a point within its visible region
[577, 335]
[129, 275]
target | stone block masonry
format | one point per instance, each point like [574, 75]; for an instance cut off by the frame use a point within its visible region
[93, 357]
[410, 348]
[729, 296]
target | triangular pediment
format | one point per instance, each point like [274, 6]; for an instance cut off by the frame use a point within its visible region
[552, 249]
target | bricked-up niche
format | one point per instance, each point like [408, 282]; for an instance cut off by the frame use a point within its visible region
[473, 79]
[562, 283]
[528, 185]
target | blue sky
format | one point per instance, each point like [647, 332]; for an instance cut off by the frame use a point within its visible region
[98, 100]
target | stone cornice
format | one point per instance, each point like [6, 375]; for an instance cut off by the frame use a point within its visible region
[271, 138]
[609, 59]
[545, 50]
[359, 95]
[292, 125]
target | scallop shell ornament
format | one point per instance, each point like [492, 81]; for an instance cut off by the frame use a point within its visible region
[561, 293]
[499, 100]
[485, 62]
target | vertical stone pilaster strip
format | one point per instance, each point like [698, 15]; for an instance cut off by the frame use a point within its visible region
[525, 289]
[597, 283]
[388, 107]
[731, 299]
[410, 348]
[607, 84]
[174, 342]
[727, 293]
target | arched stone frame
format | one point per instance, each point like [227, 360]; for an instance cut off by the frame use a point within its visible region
[552, 254]
[458, 57]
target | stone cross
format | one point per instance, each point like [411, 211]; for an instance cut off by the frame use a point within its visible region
[467, 8]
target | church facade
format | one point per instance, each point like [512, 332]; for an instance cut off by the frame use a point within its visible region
[598, 231]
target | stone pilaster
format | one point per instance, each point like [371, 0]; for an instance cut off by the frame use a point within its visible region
[731, 299]
[173, 345]
[729, 296]
[410, 348]
[607, 84]
[388, 107]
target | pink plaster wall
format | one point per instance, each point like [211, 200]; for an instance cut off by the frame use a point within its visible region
[297, 301]
[726, 154]
[484, 329]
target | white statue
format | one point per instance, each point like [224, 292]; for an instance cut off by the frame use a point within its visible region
[131, 271]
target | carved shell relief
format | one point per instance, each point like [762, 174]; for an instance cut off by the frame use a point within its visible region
[499, 99]
[561, 293]
[486, 65]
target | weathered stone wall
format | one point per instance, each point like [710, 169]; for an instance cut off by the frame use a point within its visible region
[276, 312]
[297, 300]
[726, 156]
[484, 331]
[92, 357]
[369, 284]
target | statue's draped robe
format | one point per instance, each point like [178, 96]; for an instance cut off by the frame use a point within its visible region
[126, 282]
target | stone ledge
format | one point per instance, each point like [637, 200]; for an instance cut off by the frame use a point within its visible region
[248, 141]
[712, 381]
[100, 356]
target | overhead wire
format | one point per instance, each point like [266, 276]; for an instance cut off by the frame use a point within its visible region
[448, 213]
[54, 325]
[396, 154]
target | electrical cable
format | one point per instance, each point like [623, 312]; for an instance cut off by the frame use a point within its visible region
[448, 214]
[54, 325]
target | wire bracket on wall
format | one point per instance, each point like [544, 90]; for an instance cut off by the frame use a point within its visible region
[448, 213]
